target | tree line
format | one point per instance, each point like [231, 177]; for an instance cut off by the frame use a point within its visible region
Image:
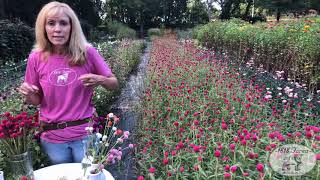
[152, 13]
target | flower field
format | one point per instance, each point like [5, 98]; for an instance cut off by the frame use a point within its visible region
[202, 119]
[292, 47]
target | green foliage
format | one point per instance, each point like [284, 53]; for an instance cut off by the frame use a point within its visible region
[291, 47]
[120, 30]
[122, 60]
[154, 32]
[27, 10]
[126, 33]
[15, 42]
[13, 102]
[184, 33]
[198, 13]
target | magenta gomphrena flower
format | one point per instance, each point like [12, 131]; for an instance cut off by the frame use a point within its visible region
[260, 167]
[181, 169]
[196, 122]
[233, 168]
[152, 170]
[318, 157]
[140, 178]
[217, 153]
[227, 167]
[308, 134]
[243, 142]
[245, 174]
[196, 148]
[227, 175]
[224, 126]
[165, 161]
[232, 146]
[298, 134]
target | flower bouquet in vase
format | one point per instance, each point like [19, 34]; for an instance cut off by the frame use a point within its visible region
[16, 132]
[103, 146]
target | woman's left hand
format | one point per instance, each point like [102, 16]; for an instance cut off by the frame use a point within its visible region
[91, 80]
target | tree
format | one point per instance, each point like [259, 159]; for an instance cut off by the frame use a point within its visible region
[282, 6]
[197, 13]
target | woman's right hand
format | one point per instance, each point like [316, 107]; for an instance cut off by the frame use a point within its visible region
[31, 93]
[28, 89]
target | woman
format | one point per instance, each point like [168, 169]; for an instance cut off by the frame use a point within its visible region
[61, 72]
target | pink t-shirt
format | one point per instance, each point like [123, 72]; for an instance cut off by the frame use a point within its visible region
[65, 98]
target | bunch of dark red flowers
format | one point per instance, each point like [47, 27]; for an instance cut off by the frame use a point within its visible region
[16, 132]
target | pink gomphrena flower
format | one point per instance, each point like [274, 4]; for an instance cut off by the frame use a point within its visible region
[244, 142]
[308, 134]
[152, 170]
[180, 145]
[217, 153]
[298, 134]
[165, 161]
[227, 167]
[131, 146]
[196, 148]
[232, 147]
[196, 167]
[166, 154]
[196, 122]
[260, 167]
[318, 157]
[315, 129]
[268, 148]
[236, 139]
[181, 169]
[273, 145]
[251, 155]
[140, 178]
[225, 158]
[195, 114]
[281, 138]
[224, 126]
[173, 153]
[317, 138]
[226, 175]
[245, 174]
[233, 168]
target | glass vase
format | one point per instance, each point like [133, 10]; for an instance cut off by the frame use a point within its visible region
[21, 165]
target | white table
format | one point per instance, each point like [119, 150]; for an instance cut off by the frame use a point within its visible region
[71, 171]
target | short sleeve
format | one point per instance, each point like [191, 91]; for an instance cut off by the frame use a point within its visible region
[100, 66]
[32, 75]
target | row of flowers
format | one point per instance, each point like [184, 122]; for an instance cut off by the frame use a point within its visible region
[291, 47]
[210, 122]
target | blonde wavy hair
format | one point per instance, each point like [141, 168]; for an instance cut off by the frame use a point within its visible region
[76, 46]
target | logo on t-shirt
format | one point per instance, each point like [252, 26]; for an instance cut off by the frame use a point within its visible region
[62, 77]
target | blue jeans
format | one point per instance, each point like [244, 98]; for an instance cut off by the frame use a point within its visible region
[70, 152]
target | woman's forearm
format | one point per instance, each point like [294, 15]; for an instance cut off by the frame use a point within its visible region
[109, 83]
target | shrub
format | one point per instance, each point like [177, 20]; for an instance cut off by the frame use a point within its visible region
[154, 32]
[16, 41]
[120, 31]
